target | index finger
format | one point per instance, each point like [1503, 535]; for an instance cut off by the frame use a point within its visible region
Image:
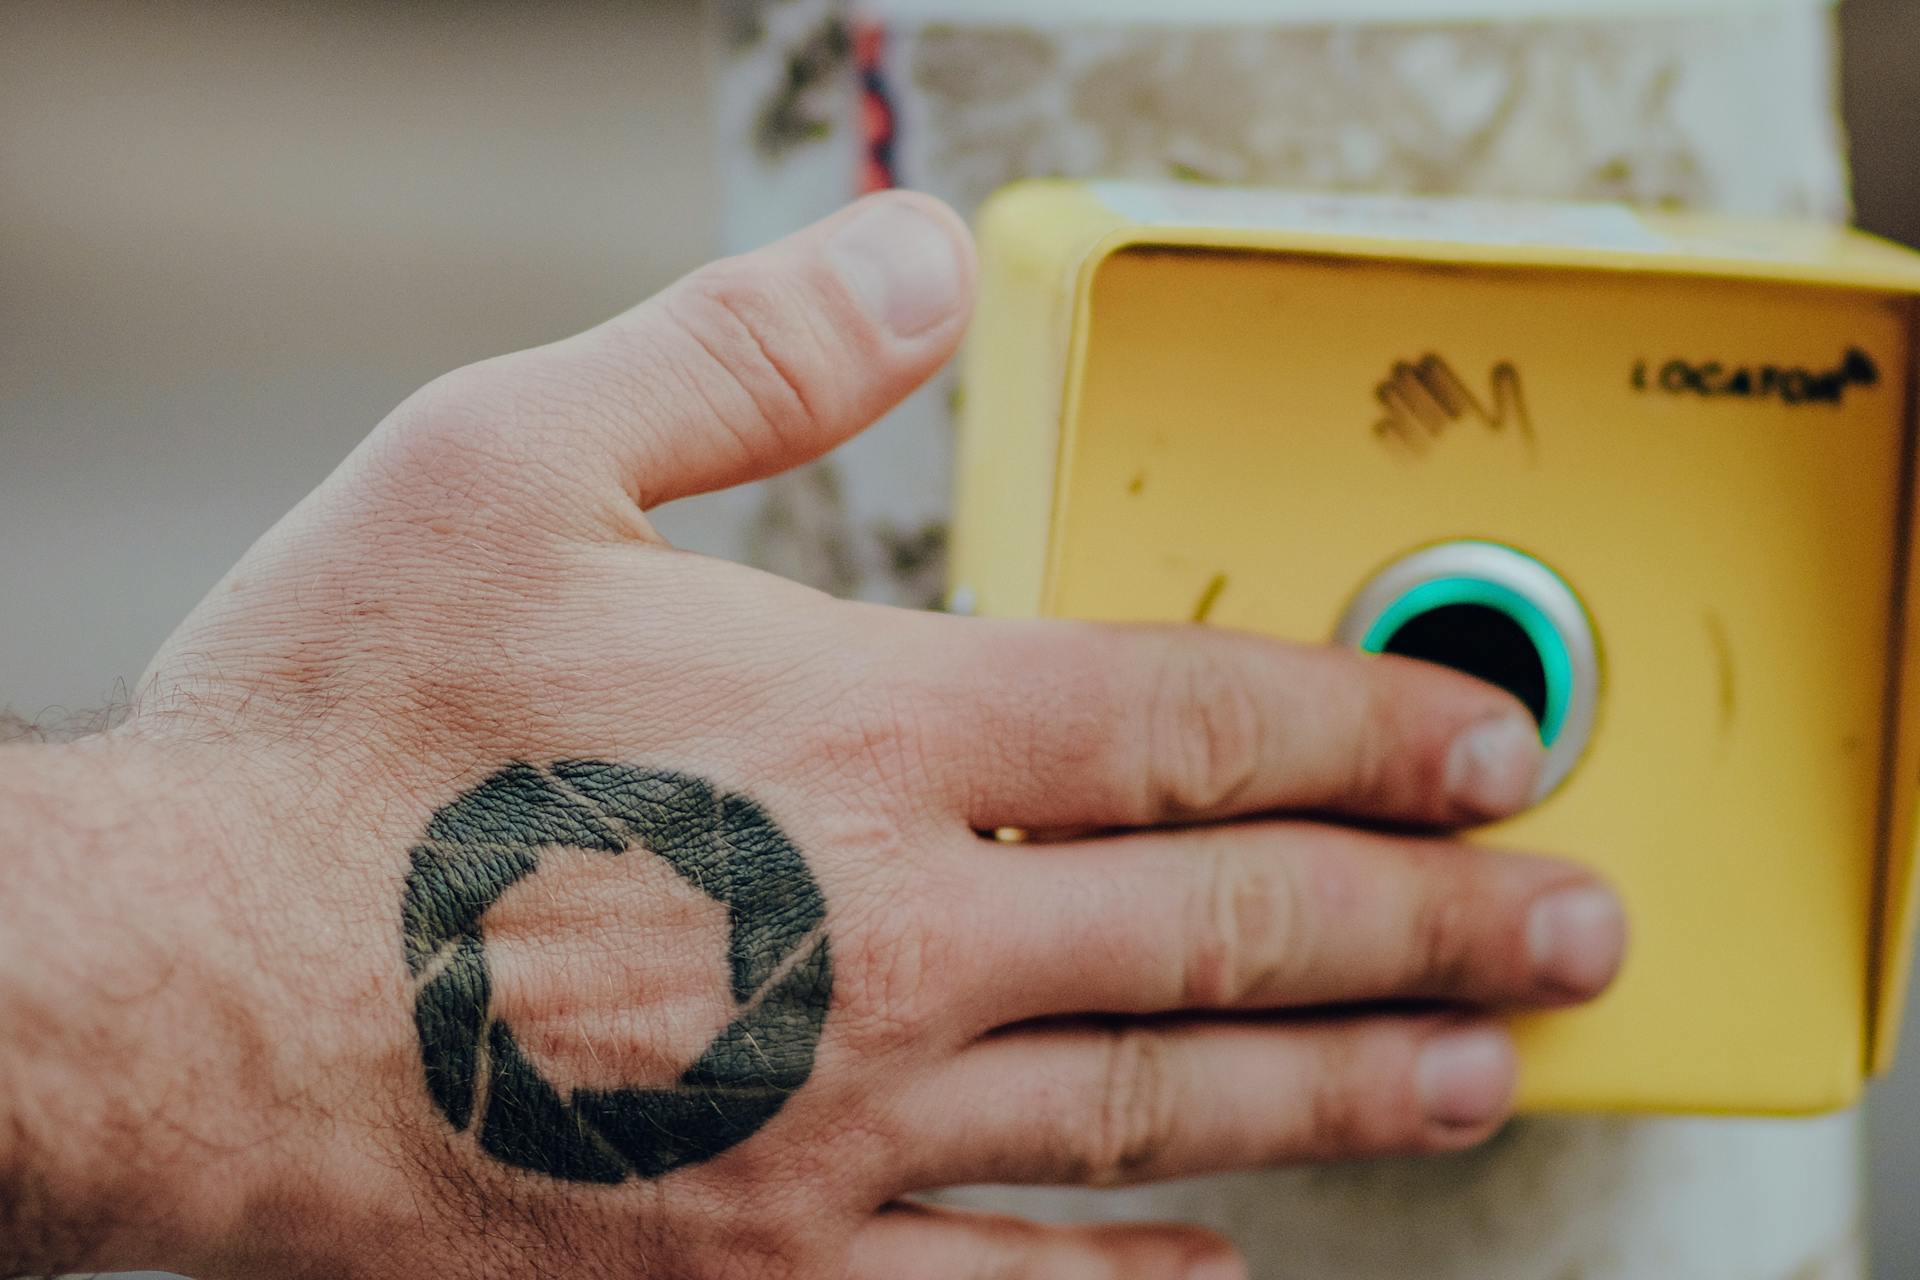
[1073, 725]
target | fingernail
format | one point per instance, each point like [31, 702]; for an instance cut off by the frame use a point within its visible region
[901, 263]
[1218, 1267]
[1493, 766]
[1466, 1077]
[1577, 938]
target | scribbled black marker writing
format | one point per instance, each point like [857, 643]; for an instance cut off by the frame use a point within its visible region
[1714, 379]
[1427, 399]
[476, 1072]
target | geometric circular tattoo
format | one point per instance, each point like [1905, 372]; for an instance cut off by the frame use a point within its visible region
[726, 846]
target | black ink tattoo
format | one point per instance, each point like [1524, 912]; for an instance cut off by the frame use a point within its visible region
[781, 971]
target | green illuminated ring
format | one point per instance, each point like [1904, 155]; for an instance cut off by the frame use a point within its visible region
[1439, 593]
[1499, 577]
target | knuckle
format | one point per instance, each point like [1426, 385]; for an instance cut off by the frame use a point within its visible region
[885, 736]
[1369, 779]
[753, 341]
[1135, 1125]
[1377, 747]
[1246, 918]
[892, 968]
[1204, 734]
[1050, 719]
[463, 418]
[1343, 1119]
[898, 976]
[470, 434]
[889, 972]
[1441, 956]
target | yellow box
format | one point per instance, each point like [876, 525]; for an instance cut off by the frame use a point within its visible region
[1251, 407]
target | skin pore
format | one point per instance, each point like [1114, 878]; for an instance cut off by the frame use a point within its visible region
[478, 886]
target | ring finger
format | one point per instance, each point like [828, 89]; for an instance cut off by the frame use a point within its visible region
[1279, 915]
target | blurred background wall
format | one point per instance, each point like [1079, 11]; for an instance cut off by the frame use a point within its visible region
[233, 235]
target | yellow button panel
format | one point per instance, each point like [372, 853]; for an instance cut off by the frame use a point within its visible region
[1710, 456]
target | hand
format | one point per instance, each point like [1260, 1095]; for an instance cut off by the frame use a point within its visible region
[493, 889]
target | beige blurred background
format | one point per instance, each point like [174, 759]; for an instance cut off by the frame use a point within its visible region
[233, 235]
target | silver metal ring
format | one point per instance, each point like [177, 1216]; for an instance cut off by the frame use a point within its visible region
[1503, 568]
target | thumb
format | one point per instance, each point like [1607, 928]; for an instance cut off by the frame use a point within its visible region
[755, 364]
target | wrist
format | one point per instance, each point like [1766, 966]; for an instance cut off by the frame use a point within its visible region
[120, 1018]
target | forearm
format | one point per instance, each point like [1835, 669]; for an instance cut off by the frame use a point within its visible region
[107, 1043]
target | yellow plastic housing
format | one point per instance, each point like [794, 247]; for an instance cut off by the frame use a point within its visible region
[1189, 403]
